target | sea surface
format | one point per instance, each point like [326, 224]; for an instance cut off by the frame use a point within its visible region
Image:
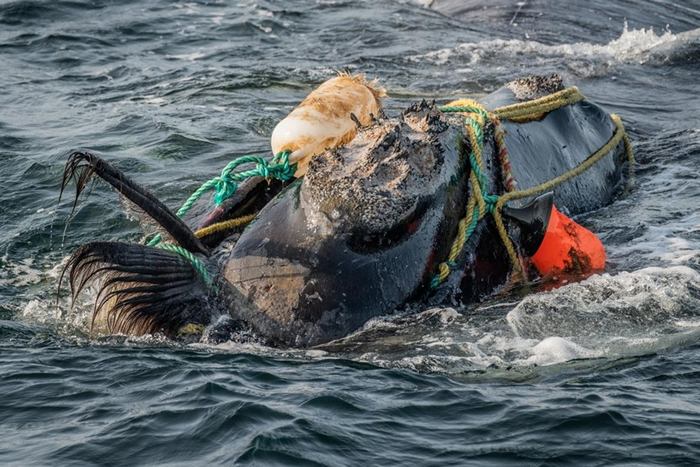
[604, 372]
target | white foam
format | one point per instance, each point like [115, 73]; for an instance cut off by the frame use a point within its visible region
[19, 274]
[37, 311]
[605, 305]
[446, 315]
[189, 57]
[663, 242]
[606, 316]
[558, 350]
[632, 45]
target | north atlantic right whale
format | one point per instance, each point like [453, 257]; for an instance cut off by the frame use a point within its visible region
[361, 234]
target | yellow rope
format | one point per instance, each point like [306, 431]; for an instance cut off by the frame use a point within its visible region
[617, 136]
[230, 224]
[476, 201]
[525, 110]
[476, 113]
[542, 105]
[462, 230]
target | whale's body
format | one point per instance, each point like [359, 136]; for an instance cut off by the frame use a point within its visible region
[364, 231]
[302, 277]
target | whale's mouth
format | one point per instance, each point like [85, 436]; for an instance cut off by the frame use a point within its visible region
[378, 184]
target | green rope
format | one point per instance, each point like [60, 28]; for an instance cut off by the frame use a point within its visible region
[476, 162]
[226, 185]
[482, 202]
[189, 256]
[438, 278]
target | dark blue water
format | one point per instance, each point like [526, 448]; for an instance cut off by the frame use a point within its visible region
[605, 372]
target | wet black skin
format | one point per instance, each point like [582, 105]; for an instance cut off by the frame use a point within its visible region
[336, 284]
[299, 279]
[539, 151]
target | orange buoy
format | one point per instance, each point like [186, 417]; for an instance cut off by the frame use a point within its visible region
[555, 243]
[569, 247]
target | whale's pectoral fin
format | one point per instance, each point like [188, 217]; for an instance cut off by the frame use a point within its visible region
[81, 166]
[142, 290]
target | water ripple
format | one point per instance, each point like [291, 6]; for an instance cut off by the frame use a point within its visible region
[602, 373]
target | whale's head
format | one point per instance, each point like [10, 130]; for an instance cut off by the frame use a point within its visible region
[358, 236]
[383, 179]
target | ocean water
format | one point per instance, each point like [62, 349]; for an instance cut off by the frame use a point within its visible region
[601, 372]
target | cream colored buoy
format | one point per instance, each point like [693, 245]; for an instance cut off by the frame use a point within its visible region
[323, 119]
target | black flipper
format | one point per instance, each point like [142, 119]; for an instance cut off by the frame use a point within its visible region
[143, 290]
[81, 166]
[533, 220]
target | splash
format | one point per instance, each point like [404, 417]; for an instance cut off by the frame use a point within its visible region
[606, 317]
[633, 46]
[645, 303]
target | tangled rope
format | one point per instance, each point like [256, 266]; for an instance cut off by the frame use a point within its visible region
[480, 202]
[226, 185]
[476, 118]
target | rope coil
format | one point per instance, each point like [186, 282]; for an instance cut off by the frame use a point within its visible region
[227, 183]
[476, 119]
[225, 186]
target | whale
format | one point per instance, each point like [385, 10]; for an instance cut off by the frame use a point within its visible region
[361, 234]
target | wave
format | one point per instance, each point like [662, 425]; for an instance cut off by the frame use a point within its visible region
[633, 46]
[605, 317]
